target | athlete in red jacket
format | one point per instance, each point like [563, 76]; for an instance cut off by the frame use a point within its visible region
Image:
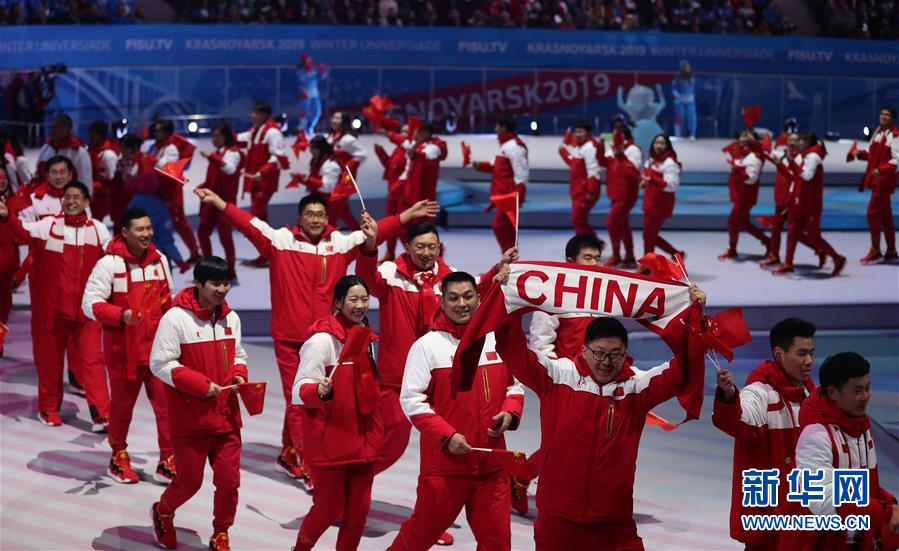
[623, 162]
[881, 176]
[452, 475]
[836, 434]
[196, 353]
[222, 177]
[338, 391]
[63, 142]
[509, 174]
[104, 155]
[581, 152]
[785, 150]
[807, 204]
[266, 157]
[763, 419]
[132, 267]
[592, 411]
[745, 157]
[168, 148]
[65, 249]
[350, 154]
[660, 179]
[423, 169]
[307, 261]
[394, 169]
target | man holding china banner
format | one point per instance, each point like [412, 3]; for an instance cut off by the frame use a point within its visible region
[594, 405]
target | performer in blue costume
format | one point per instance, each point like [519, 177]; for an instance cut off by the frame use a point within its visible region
[310, 104]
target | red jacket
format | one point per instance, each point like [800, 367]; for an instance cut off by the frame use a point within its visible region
[195, 346]
[745, 170]
[764, 422]
[303, 273]
[427, 401]
[509, 168]
[423, 170]
[583, 167]
[265, 155]
[65, 249]
[104, 158]
[324, 174]
[347, 150]
[882, 154]
[590, 433]
[808, 184]
[664, 178]
[394, 165]
[223, 172]
[830, 439]
[346, 425]
[125, 347]
[623, 172]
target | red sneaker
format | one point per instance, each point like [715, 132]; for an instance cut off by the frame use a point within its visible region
[120, 470]
[873, 257]
[729, 254]
[891, 256]
[165, 470]
[288, 461]
[164, 528]
[49, 418]
[769, 260]
[100, 424]
[446, 539]
[306, 478]
[219, 542]
[838, 264]
[519, 495]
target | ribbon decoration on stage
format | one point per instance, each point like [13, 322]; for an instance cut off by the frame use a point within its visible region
[661, 305]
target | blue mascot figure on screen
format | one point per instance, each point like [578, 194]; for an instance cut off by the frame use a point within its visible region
[683, 90]
[310, 103]
[642, 108]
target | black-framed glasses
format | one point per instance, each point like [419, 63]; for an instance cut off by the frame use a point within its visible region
[601, 355]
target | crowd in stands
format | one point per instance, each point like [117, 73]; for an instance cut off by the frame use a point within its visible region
[61, 12]
[858, 18]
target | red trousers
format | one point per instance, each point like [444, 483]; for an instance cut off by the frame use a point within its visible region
[652, 225]
[287, 354]
[397, 429]
[124, 396]
[552, 533]
[580, 215]
[439, 501]
[174, 201]
[191, 452]
[504, 231]
[49, 349]
[6, 283]
[259, 200]
[210, 219]
[780, 217]
[339, 210]
[343, 489]
[880, 219]
[806, 229]
[619, 226]
[739, 221]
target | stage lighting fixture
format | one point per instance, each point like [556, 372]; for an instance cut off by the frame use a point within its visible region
[357, 124]
[124, 122]
[450, 123]
[866, 131]
[534, 126]
[192, 126]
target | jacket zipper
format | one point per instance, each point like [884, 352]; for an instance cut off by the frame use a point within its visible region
[324, 265]
[486, 384]
[610, 417]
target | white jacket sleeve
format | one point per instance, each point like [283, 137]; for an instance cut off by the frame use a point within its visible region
[754, 405]
[244, 137]
[230, 162]
[274, 139]
[83, 166]
[894, 151]
[166, 352]
[634, 155]
[316, 354]
[169, 154]
[416, 378]
[240, 355]
[431, 151]
[591, 163]
[102, 233]
[45, 153]
[330, 173]
[355, 149]
[543, 333]
[671, 175]
[99, 285]
[518, 157]
[810, 164]
[813, 452]
[753, 166]
[107, 166]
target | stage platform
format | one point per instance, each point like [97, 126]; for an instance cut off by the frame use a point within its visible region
[55, 495]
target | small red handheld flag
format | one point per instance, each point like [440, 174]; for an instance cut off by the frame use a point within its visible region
[295, 180]
[850, 155]
[466, 154]
[344, 188]
[174, 171]
[661, 267]
[766, 142]
[414, 124]
[507, 203]
[752, 114]
[300, 144]
[659, 421]
[726, 331]
[253, 396]
[514, 463]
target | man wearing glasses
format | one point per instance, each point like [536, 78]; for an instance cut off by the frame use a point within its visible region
[306, 261]
[592, 411]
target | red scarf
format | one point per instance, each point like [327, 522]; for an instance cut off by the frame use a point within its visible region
[443, 323]
[506, 136]
[46, 189]
[425, 280]
[77, 220]
[659, 159]
[772, 374]
[188, 300]
[819, 409]
[299, 235]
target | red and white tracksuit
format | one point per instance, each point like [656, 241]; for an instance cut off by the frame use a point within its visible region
[830, 439]
[590, 434]
[743, 189]
[394, 168]
[423, 170]
[658, 199]
[510, 173]
[584, 179]
[783, 181]
[449, 482]
[107, 197]
[126, 348]
[222, 177]
[346, 425]
[350, 154]
[408, 299]
[196, 346]
[65, 249]
[324, 173]
[172, 149]
[623, 189]
[882, 154]
[303, 275]
[764, 422]
[266, 156]
[807, 204]
[73, 149]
